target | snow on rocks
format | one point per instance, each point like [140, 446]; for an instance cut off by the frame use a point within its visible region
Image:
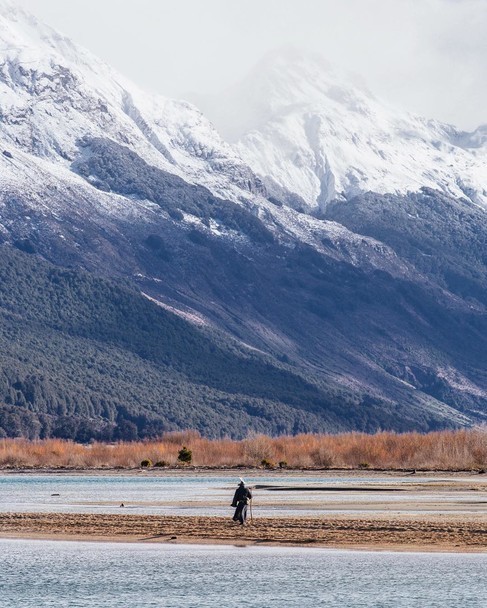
[53, 93]
[323, 137]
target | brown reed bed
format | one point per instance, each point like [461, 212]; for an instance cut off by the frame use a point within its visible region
[443, 450]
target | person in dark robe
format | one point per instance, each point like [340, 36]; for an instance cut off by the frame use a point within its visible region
[241, 500]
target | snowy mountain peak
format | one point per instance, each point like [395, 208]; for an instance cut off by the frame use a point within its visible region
[53, 93]
[27, 41]
[313, 135]
[290, 77]
[282, 81]
[322, 136]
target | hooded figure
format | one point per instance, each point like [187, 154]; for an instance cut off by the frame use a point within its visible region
[241, 500]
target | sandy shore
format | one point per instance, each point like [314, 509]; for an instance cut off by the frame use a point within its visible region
[428, 512]
[420, 533]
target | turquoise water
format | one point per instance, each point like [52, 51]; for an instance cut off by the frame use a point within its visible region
[45, 574]
[200, 494]
[104, 494]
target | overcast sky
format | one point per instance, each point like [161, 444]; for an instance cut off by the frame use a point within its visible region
[429, 56]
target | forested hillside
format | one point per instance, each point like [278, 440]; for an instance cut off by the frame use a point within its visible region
[85, 357]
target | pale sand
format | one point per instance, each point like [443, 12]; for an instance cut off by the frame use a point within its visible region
[424, 532]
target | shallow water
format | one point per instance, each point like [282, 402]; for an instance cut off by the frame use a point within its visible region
[47, 574]
[202, 494]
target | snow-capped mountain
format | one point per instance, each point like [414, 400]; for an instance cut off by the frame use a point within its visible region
[55, 94]
[322, 136]
[52, 93]
[379, 301]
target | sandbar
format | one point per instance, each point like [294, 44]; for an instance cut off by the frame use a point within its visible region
[445, 532]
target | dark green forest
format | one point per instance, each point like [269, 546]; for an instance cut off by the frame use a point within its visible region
[89, 358]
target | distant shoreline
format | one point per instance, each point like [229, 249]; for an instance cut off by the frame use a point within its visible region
[238, 471]
[423, 533]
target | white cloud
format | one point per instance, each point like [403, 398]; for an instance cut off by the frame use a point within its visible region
[427, 55]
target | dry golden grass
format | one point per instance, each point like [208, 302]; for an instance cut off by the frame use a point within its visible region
[443, 450]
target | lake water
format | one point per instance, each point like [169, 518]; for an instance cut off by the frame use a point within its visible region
[42, 574]
[206, 494]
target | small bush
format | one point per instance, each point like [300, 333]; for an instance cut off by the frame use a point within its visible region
[161, 463]
[364, 465]
[146, 463]
[185, 456]
[267, 464]
[282, 464]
